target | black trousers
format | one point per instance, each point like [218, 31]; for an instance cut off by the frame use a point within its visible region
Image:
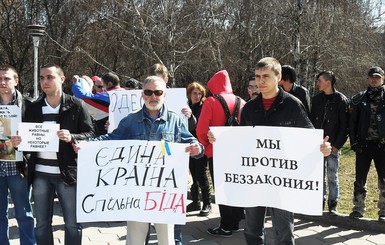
[373, 151]
[198, 170]
[230, 216]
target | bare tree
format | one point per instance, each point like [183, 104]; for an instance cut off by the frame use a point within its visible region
[196, 38]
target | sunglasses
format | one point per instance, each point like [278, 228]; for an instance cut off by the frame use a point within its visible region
[150, 92]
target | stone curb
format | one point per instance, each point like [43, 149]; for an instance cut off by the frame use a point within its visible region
[344, 221]
[341, 220]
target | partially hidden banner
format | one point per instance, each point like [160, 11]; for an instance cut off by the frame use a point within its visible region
[135, 180]
[277, 167]
[10, 116]
[123, 102]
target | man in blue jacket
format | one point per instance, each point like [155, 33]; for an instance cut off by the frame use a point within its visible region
[153, 122]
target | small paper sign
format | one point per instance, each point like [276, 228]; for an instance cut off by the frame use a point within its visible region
[39, 137]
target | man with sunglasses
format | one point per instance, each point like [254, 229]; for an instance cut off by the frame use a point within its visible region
[153, 122]
[98, 85]
[100, 101]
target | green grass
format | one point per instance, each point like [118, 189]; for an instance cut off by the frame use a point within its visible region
[346, 179]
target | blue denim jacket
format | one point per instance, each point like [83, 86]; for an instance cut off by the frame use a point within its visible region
[169, 126]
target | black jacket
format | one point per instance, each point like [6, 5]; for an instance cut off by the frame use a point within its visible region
[72, 116]
[196, 112]
[332, 116]
[286, 111]
[302, 94]
[359, 121]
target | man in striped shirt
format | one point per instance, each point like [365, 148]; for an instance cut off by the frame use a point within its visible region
[51, 172]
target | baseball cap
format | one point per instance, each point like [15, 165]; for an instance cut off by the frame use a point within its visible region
[375, 71]
[95, 78]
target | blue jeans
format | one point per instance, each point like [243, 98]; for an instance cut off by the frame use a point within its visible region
[331, 171]
[19, 190]
[44, 187]
[283, 225]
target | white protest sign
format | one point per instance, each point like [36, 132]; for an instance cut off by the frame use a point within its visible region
[39, 137]
[123, 180]
[10, 116]
[123, 102]
[277, 167]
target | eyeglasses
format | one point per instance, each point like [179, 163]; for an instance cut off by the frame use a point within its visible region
[99, 86]
[150, 92]
[252, 87]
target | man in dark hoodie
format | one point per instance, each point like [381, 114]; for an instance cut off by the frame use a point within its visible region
[213, 115]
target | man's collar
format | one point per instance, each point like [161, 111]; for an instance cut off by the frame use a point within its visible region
[12, 101]
[159, 115]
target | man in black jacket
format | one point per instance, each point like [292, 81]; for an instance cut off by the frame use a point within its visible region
[367, 139]
[329, 112]
[287, 82]
[273, 107]
[51, 172]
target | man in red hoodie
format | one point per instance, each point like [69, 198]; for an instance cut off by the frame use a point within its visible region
[213, 115]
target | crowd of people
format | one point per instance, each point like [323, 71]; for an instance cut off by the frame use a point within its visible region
[274, 99]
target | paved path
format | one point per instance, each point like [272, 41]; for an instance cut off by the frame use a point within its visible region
[194, 232]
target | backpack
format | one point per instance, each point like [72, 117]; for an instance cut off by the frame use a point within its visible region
[232, 120]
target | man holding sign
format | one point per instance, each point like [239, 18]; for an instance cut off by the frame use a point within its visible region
[56, 172]
[272, 107]
[154, 122]
[11, 172]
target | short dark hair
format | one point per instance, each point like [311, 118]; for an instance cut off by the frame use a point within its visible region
[58, 68]
[271, 63]
[6, 67]
[328, 75]
[111, 77]
[251, 77]
[288, 73]
[134, 84]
